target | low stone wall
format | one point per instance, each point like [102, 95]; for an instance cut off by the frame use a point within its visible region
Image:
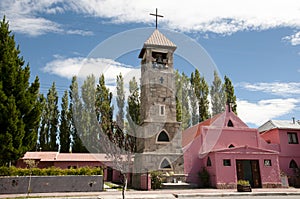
[46, 184]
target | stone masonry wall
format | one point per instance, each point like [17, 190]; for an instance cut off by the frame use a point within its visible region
[47, 184]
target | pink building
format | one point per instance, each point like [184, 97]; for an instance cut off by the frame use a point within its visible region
[230, 151]
[47, 159]
[285, 135]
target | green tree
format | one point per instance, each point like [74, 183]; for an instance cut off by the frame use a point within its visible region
[194, 101]
[178, 85]
[104, 109]
[51, 120]
[88, 124]
[119, 135]
[65, 125]
[201, 91]
[217, 95]
[186, 116]
[75, 109]
[133, 113]
[120, 101]
[230, 97]
[20, 107]
[203, 100]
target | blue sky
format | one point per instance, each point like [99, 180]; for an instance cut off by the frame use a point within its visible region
[255, 43]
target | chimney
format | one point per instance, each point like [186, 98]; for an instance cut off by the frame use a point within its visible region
[293, 120]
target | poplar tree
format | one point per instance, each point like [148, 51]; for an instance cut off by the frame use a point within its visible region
[119, 134]
[104, 109]
[20, 108]
[178, 85]
[186, 116]
[65, 125]
[133, 113]
[75, 110]
[88, 124]
[194, 101]
[49, 129]
[217, 95]
[229, 94]
[201, 91]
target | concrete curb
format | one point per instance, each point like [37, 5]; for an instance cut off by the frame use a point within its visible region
[237, 194]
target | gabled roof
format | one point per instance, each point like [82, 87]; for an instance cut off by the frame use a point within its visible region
[158, 39]
[218, 121]
[245, 149]
[191, 133]
[279, 124]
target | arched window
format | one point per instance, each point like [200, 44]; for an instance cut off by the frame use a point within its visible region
[165, 164]
[230, 124]
[293, 164]
[208, 163]
[231, 146]
[163, 137]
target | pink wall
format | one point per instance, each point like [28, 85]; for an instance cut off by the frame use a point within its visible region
[227, 174]
[192, 163]
[287, 151]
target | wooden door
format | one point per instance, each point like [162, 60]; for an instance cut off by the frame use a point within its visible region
[255, 174]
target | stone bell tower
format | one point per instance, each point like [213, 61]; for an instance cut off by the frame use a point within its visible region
[159, 141]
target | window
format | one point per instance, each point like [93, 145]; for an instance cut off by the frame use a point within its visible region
[163, 137]
[165, 164]
[227, 163]
[292, 138]
[293, 164]
[208, 163]
[230, 124]
[267, 163]
[161, 110]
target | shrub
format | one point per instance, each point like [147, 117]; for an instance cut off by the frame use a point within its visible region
[204, 177]
[13, 171]
[156, 179]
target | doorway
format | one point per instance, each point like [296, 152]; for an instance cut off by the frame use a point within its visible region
[109, 174]
[249, 170]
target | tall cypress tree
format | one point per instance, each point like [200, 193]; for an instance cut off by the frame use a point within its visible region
[217, 95]
[65, 125]
[229, 94]
[20, 108]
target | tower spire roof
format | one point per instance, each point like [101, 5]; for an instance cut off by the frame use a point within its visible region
[158, 39]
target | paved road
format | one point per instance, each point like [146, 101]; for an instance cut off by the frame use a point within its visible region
[250, 197]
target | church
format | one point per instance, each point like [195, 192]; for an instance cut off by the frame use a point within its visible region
[224, 146]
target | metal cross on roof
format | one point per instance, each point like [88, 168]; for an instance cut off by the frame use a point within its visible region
[156, 15]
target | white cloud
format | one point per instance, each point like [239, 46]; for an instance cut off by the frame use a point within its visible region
[293, 39]
[275, 88]
[264, 110]
[218, 16]
[82, 67]
[25, 17]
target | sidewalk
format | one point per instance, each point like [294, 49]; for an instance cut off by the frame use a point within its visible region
[160, 194]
